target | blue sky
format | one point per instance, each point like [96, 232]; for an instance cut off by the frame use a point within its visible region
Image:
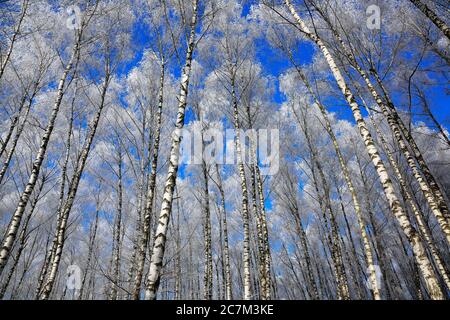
[275, 64]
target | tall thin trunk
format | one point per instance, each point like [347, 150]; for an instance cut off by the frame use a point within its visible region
[267, 258]
[362, 225]
[433, 17]
[226, 250]
[117, 228]
[23, 237]
[90, 253]
[178, 289]
[14, 37]
[149, 200]
[241, 168]
[25, 196]
[394, 125]
[72, 191]
[13, 124]
[51, 253]
[208, 280]
[434, 186]
[394, 204]
[17, 135]
[166, 208]
[333, 241]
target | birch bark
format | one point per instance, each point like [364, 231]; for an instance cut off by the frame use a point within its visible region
[394, 204]
[14, 37]
[25, 196]
[433, 17]
[72, 191]
[166, 208]
[149, 200]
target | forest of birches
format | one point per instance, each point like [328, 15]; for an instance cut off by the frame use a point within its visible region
[95, 202]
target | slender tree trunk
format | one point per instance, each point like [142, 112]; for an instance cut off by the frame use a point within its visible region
[17, 135]
[208, 285]
[51, 253]
[149, 200]
[117, 228]
[265, 233]
[14, 37]
[25, 196]
[23, 237]
[410, 232]
[433, 17]
[362, 225]
[333, 241]
[72, 191]
[226, 250]
[434, 186]
[90, 252]
[178, 274]
[394, 125]
[166, 208]
[245, 212]
[13, 125]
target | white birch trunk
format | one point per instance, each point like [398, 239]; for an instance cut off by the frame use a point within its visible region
[362, 225]
[434, 186]
[25, 196]
[433, 17]
[14, 37]
[245, 213]
[394, 204]
[403, 147]
[166, 208]
[73, 188]
[149, 200]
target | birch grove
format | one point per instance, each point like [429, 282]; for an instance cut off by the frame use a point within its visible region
[220, 150]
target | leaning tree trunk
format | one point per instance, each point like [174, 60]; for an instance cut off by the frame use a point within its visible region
[394, 125]
[14, 37]
[394, 204]
[409, 199]
[166, 208]
[434, 186]
[433, 17]
[149, 200]
[333, 241]
[25, 196]
[362, 225]
[13, 124]
[17, 135]
[23, 238]
[51, 253]
[72, 191]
